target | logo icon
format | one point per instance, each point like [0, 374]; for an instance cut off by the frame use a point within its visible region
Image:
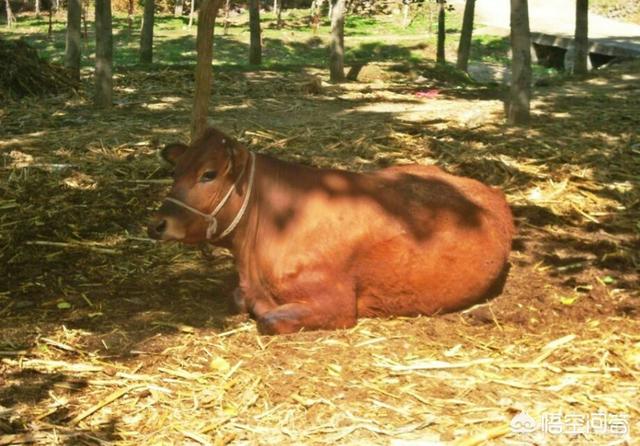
[523, 424]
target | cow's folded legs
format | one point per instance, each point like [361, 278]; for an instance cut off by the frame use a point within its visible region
[295, 317]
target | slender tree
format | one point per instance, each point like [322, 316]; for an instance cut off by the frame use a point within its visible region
[104, 55]
[255, 46]
[192, 11]
[336, 56]
[49, 6]
[406, 13]
[37, 8]
[581, 56]
[520, 94]
[85, 32]
[73, 44]
[204, 46]
[430, 17]
[315, 15]
[464, 46]
[440, 57]
[10, 16]
[179, 6]
[130, 7]
[279, 13]
[227, 9]
[146, 35]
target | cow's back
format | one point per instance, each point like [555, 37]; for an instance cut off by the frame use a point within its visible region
[455, 247]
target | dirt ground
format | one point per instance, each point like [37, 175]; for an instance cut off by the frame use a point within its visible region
[107, 337]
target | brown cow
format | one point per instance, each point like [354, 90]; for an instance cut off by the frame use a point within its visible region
[319, 248]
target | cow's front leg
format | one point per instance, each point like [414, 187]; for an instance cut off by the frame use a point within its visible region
[239, 302]
[295, 317]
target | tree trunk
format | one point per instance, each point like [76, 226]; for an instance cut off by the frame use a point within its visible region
[73, 45]
[580, 63]
[192, 12]
[315, 15]
[406, 10]
[177, 12]
[10, 17]
[204, 46]
[130, 18]
[520, 95]
[37, 8]
[336, 57]
[50, 11]
[146, 36]
[255, 47]
[440, 57]
[104, 54]
[464, 47]
[83, 8]
[227, 9]
[279, 14]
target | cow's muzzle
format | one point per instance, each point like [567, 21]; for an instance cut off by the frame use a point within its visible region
[165, 228]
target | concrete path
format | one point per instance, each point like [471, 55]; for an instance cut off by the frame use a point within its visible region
[557, 18]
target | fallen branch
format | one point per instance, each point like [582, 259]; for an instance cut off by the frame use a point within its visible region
[73, 245]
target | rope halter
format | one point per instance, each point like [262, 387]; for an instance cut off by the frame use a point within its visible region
[211, 217]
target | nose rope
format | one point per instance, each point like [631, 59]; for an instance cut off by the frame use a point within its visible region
[211, 217]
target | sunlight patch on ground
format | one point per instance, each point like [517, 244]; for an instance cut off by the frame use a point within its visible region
[598, 81]
[80, 181]
[444, 111]
[171, 99]
[17, 159]
[157, 106]
[547, 193]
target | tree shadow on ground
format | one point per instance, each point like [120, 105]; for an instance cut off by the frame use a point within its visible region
[31, 387]
[582, 131]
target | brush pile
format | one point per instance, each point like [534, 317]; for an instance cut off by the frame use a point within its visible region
[24, 73]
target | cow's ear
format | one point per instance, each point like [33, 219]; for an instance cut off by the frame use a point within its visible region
[229, 145]
[171, 152]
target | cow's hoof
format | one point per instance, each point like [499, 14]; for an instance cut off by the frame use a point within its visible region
[274, 324]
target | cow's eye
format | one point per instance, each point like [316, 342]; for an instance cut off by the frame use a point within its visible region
[209, 175]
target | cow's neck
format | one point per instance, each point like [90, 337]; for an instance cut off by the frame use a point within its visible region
[244, 232]
[270, 175]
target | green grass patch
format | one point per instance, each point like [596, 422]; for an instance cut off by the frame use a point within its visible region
[294, 46]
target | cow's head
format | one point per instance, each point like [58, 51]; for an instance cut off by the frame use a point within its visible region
[204, 177]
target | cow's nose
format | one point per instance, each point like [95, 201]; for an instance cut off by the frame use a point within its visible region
[157, 228]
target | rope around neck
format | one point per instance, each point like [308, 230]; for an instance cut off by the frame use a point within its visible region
[211, 217]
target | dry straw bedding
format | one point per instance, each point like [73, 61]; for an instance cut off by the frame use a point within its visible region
[110, 338]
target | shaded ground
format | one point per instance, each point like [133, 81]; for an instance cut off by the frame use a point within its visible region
[109, 337]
